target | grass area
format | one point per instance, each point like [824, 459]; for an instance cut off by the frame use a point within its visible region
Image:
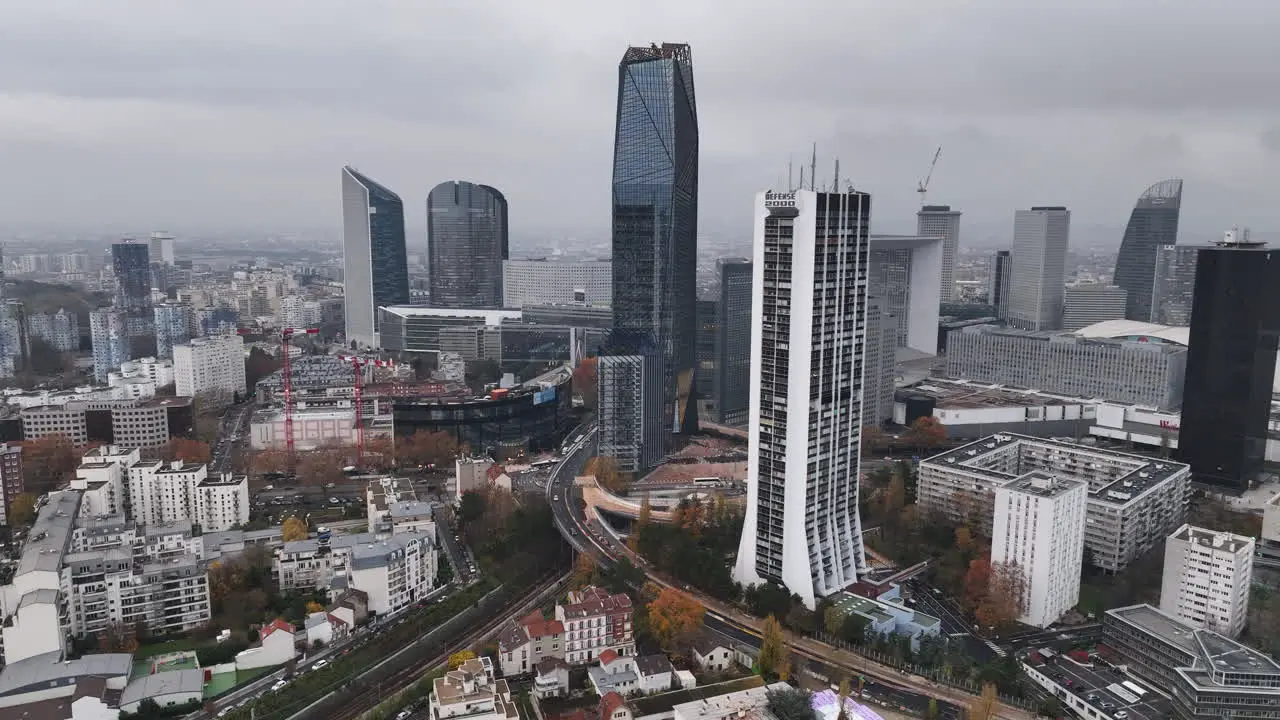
[223, 682]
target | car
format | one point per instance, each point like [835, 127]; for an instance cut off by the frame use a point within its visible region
[403, 714]
[223, 711]
[319, 664]
[1121, 715]
[279, 685]
[555, 498]
[334, 501]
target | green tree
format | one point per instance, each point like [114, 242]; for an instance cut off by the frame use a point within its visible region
[853, 629]
[22, 511]
[471, 507]
[932, 712]
[774, 653]
[790, 703]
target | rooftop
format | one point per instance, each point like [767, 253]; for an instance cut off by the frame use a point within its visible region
[490, 317]
[1043, 484]
[51, 534]
[49, 669]
[1125, 342]
[1137, 330]
[163, 683]
[965, 394]
[1212, 654]
[1229, 542]
[710, 702]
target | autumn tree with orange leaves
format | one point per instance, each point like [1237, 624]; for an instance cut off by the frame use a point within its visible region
[674, 618]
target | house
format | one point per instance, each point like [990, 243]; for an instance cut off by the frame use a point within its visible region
[471, 692]
[526, 642]
[711, 654]
[352, 606]
[324, 628]
[615, 674]
[166, 689]
[614, 707]
[552, 679]
[49, 675]
[656, 673]
[276, 648]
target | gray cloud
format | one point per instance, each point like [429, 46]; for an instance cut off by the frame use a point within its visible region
[158, 113]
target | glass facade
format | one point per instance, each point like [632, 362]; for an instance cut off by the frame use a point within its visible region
[733, 347]
[1153, 222]
[655, 223]
[375, 266]
[131, 264]
[1175, 283]
[1231, 360]
[466, 244]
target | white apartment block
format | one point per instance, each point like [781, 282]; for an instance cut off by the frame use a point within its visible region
[61, 329]
[595, 621]
[551, 282]
[222, 503]
[214, 363]
[808, 316]
[471, 693]
[1206, 581]
[1039, 532]
[297, 311]
[161, 492]
[103, 478]
[1134, 501]
[394, 572]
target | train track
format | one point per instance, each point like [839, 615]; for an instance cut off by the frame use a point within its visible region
[353, 706]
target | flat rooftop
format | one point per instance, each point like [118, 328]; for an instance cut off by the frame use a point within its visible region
[1104, 684]
[1043, 484]
[966, 395]
[1210, 650]
[1228, 542]
[51, 534]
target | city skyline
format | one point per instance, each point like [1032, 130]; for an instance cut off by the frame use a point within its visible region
[131, 147]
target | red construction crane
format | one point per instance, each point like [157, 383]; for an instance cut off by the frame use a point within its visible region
[286, 375]
[359, 363]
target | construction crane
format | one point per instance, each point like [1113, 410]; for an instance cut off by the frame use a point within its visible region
[923, 187]
[359, 363]
[286, 381]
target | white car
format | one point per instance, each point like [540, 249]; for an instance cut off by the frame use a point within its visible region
[319, 664]
[279, 685]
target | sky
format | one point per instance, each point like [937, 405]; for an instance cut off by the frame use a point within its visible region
[239, 114]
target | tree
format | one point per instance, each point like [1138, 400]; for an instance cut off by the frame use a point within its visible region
[606, 472]
[427, 448]
[258, 365]
[269, 461]
[873, 440]
[584, 571]
[322, 465]
[117, 638]
[48, 462]
[1049, 707]
[22, 510]
[791, 703]
[931, 713]
[585, 382]
[927, 432]
[314, 607]
[853, 629]
[773, 649]
[964, 537]
[674, 617]
[977, 582]
[457, 659]
[188, 450]
[1005, 598]
[985, 705]
[832, 619]
[293, 528]
[471, 507]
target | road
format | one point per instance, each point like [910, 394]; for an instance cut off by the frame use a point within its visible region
[233, 429]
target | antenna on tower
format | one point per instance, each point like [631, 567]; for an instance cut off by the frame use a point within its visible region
[790, 177]
[835, 184]
[801, 177]
[813, 168]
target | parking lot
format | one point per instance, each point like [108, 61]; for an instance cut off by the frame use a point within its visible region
[1100, 687]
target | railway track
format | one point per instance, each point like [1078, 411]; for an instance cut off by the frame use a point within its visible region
[344, 704]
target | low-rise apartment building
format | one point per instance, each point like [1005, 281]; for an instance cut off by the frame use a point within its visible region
[394, 572]
[222, 503]
[471, 692]
[595, 621]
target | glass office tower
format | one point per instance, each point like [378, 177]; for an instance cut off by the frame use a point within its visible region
[1153, 222]
[375, 266]
[655, 223]
[466, 244]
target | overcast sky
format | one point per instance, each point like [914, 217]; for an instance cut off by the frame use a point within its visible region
[239, 113]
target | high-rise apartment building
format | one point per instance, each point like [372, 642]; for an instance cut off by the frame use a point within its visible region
[998, 292]
[161, 247]
[131, 265]
[1038, 532]
[881, 363]
[553, 282]
[173, 327]
[1039, 267]
[1153, 222]
[60, 330]
[629, 391]
[466, 243]
[802, 529]
[1231, 361]
[1084, 305]
[733, 348]
[942, 221]
[11, 480]
[1174, 286]
[655, 224]
[375, 265]
[1207, 578]
[209, 364]
[107, 332]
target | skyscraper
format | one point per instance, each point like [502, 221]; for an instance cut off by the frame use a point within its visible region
[1153, 222]
[131, 264]
[162, 248]
[1173, 288]
[998, 293]
[629, 399]
[173, 327]
[466, 244]
[941, 221]
[807, 326]
[375, 265]
[107, 331]
[733, 348]
[1038, 267]
[655, 222]
[708, 371]
[1089, 303]
[1231, 361]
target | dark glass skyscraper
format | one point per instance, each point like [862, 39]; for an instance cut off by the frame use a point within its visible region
[733, 348]
[131, 264]
[655, 221]
[1231, 361]
[466, 244]
[1153, 222]
[375, 266]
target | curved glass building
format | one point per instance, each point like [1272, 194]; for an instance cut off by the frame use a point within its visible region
[375, 266]
[466, 244]
[1153, 222]
[655, 225]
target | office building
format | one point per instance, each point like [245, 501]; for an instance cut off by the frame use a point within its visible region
[417, 329]
[880, 365]
[941, 221]
[1231, 362]
[1207, 578]
[1208, 675]
[807, 325]
[629, 392]
[1134, 501]
[1128, 371]
[1084, 305]
[61, 330]
[553, 282]
[107, 333]
[67, 420]
[215, 321]
[655, 224]
[466, 245]
[598, 317]
[1038, 532]
[375, 267]
[173, 323]
[1153, 223]
[131, 264]
[733, 345]
[210, 364]
[1039, 266]
[161, 248]
[11, 480]
[144, 424]
[998, 290]
[707, 373]
[903, 272]
[1173, 288]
